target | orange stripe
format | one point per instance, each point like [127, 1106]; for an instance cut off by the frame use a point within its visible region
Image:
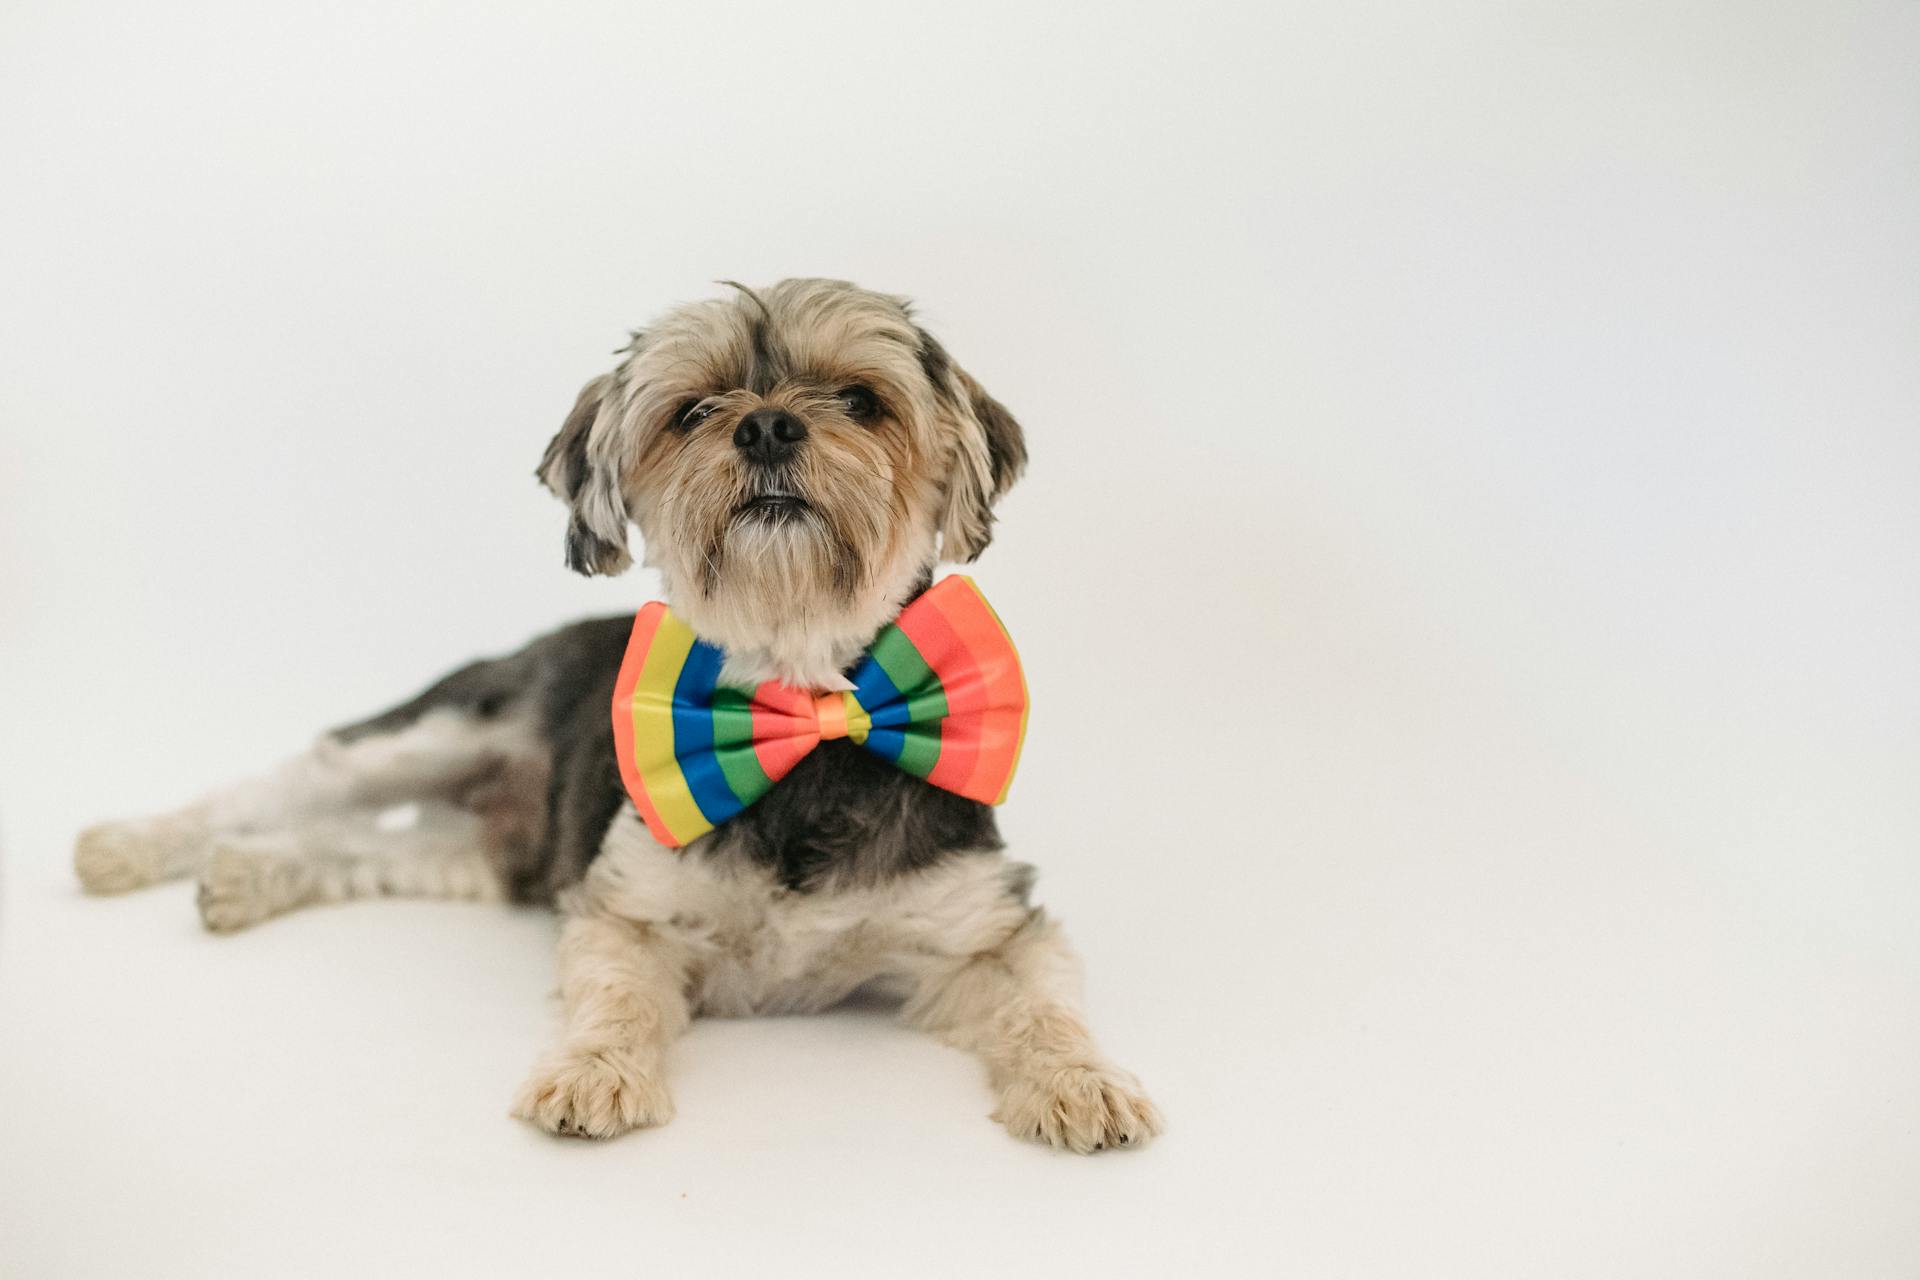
[1002, 722]
[645, 623]
[830, 710]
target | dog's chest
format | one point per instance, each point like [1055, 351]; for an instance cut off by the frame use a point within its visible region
[757, 946]
[843, 815]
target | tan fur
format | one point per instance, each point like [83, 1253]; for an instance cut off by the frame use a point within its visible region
[779, 599]
[312, 830]
[439, 854]
[655, 936]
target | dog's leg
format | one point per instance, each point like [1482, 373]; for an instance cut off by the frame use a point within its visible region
[254, 875]
[362, 767]
[114, 857]
[624, 987]
[1016, 1005]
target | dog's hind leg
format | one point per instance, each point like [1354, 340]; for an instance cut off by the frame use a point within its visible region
[446, 852]
[114, 857]
[432, 747]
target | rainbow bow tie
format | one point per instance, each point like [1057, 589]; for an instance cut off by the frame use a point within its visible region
[939, 693]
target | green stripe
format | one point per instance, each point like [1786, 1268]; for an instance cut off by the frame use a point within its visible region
[901, 661]
[920, 684]
[733, 745]
[920, 749]
[926, 699]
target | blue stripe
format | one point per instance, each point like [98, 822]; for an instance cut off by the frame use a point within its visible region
[892, 716]
[873, 686]
[886, 743]
[881, 700]
[693, 734]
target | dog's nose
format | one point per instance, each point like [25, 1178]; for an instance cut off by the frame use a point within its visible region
[768, 435]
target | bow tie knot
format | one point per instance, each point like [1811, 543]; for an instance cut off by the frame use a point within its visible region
[840, 716]
[939, 693]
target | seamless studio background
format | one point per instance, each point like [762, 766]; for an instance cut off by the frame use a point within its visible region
[1466, 574]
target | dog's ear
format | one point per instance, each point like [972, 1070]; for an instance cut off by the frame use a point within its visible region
[590, 485]
[990, 451]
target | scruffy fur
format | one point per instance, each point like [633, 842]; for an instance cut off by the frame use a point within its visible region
[797, 461]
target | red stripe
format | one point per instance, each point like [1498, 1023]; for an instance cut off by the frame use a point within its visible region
[1005, 694]
[784, 728]
[942, 649]
[645, 624]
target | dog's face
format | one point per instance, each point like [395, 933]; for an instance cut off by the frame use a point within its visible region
[796, 460]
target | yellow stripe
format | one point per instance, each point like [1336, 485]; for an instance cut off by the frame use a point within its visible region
[1026, 700]
[1018, 743]
[653, 731]
[858, 721]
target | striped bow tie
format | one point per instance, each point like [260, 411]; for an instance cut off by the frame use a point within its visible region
[939, 693]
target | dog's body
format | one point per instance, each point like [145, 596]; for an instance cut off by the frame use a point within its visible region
[797, 463]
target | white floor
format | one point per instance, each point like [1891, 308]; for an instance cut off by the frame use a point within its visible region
[1466, 576]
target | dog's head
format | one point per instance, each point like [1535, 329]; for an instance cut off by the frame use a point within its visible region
[797, 459]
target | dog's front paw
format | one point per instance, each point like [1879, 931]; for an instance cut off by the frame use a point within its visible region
[594, 1093]
[1083, 1109]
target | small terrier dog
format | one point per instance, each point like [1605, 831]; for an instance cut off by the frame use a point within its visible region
[797, 461]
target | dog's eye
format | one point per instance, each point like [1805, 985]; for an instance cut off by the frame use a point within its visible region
[691, 414]
[861, 404]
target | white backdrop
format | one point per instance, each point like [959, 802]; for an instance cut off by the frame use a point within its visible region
[1467, 574]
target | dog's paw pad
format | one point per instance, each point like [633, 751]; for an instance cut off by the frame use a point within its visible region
[593, 1094]
[1083, 1109]
[115, 857]
[236, 889]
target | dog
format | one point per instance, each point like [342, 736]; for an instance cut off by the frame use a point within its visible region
[797, 460]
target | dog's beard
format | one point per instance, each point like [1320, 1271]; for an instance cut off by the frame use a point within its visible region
[777, 544]
[791, 572]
